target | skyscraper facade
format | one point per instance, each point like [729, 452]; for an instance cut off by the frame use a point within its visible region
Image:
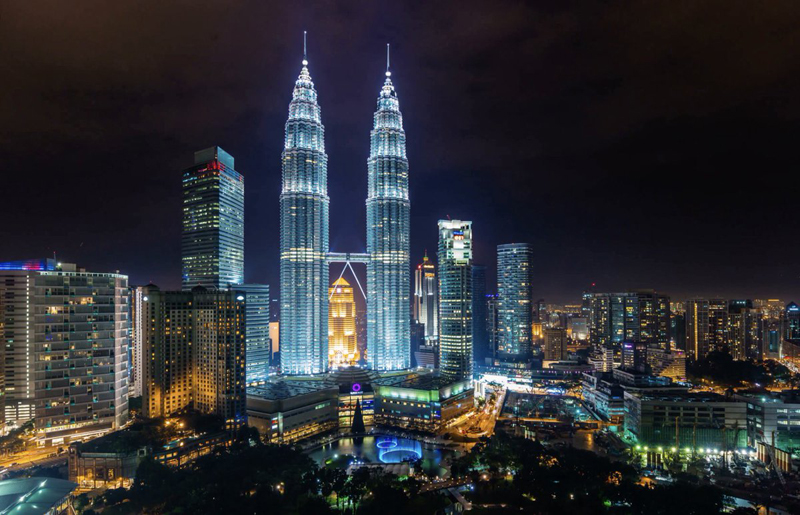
[555, 344]
[388, 211]
[480, 335]
[514, 294]
[642, 316]
[426, 295]
[697, 337]
[66, 336]
[212, 242]
[717, 324]
[136, 356]
[257, 341]
[342, 339]
[194, 348]
[455, 299]
[304, 205]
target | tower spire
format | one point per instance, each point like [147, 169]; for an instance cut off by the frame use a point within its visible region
[388, 73]
[305, 49]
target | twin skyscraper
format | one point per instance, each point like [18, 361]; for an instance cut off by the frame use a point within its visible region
[304, 250]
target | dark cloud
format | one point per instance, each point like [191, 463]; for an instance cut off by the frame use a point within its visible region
[637, 144]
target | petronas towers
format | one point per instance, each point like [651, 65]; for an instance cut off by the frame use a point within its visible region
[304, 252]
[304, 235]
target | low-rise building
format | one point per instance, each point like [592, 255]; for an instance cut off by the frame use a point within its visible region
[694, 420]
[604, 396]
[285, 411]
[424, 402]
[773, 419]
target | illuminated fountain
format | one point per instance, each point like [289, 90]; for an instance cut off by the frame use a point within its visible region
[397, 450]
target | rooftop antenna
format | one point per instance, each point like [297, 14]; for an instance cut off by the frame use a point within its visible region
[388, 73]
[305, 49]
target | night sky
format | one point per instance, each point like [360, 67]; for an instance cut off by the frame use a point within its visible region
[634, 144]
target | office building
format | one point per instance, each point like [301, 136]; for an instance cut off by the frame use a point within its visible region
[194, 348]
[514, 294]
[697, 337]
[342, 340]
[480, 335]
[304, 224]
[257, 340]
[388, 212]
[455, 299]
[791, 322]
[212, 241]
[426, 311]
[677, 331]
[66, 333]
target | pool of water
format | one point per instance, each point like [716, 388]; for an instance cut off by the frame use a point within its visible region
[383, 449]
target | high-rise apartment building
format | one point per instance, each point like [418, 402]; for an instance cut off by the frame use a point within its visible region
[426, 295]
[491, 323]
[641, 316]
[744, 330]
[514, 295]
[212, 241]
[257, 340]
[66, 336]
[388, 213]
[219, 349]
[717, 325]
[555, 344]
[135, 349]
[455, 299]
[304, 206]
[697, 337]
[342, 339]
[194, 348]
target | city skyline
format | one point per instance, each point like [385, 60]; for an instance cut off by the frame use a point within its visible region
[576, 247]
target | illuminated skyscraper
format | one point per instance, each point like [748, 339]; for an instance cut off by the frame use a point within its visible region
[388, 208]
[212, 243]
[697, 337]
[304, 235]
[455, 299]
[425, 298]
[514, 295]
[342, 340]
[256, 330]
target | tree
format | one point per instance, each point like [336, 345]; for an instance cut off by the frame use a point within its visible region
[358, 419]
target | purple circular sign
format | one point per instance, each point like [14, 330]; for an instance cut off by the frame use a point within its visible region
[356, 387]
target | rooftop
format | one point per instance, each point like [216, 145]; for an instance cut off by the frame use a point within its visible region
[678, 396]
[33, 495]
[285, 389]
[415, 380]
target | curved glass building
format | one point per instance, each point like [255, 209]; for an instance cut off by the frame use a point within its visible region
[388, 268]
[304, 235]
